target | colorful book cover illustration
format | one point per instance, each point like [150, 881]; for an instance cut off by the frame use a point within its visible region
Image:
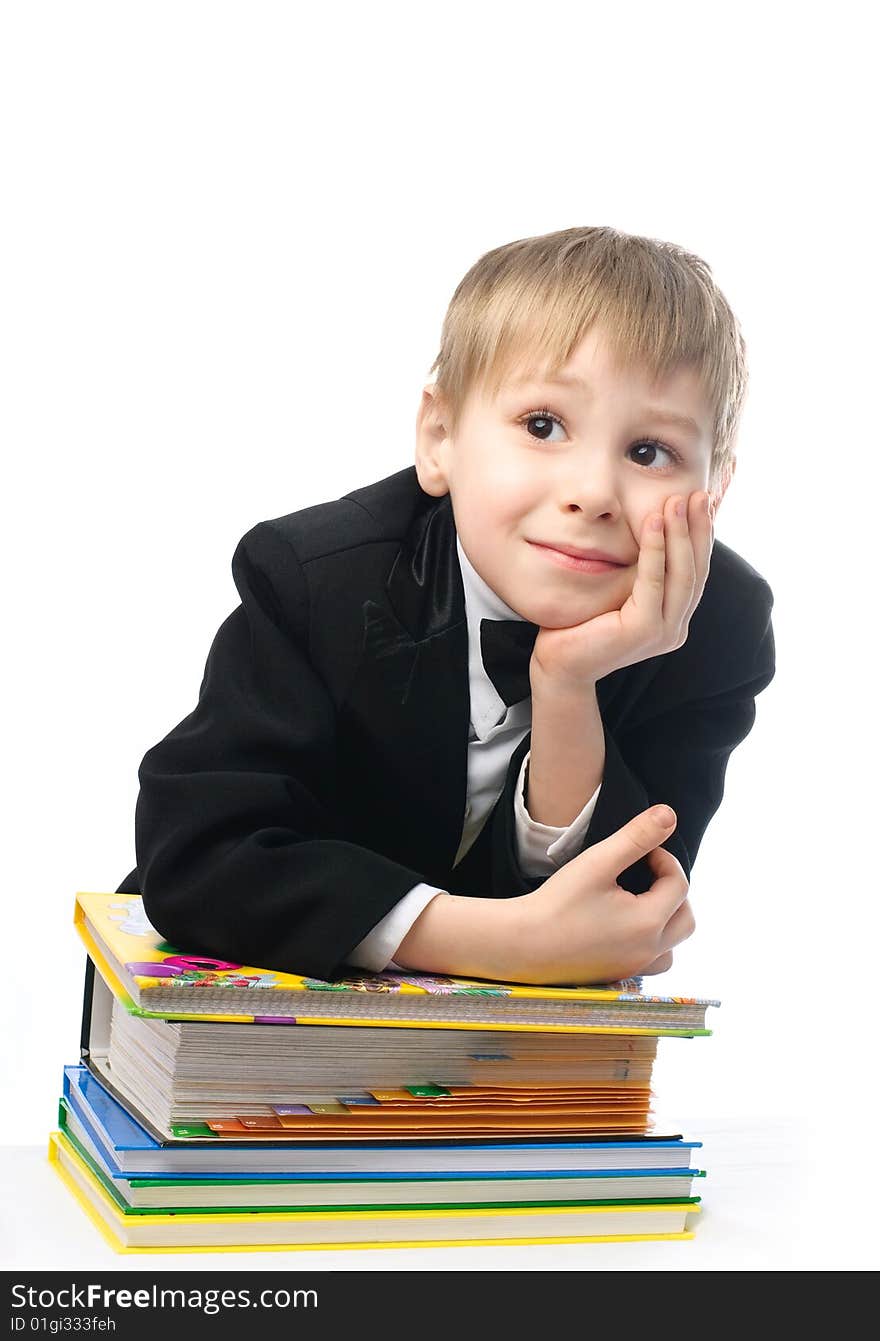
[140, 968]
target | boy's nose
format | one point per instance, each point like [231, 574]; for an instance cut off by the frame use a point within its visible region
[595, 494]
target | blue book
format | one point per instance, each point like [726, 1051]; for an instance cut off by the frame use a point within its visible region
[127, 1150]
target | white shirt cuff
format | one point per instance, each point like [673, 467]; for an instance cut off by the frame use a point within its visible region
[543, 848]
[375, 951]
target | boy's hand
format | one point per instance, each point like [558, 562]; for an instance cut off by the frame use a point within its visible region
[581, 926]
[672, 569]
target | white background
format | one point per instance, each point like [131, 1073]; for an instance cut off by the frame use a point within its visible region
[229, 236]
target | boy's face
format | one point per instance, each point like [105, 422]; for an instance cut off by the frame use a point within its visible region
[522, 483]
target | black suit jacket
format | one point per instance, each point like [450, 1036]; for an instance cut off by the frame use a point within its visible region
[323, 772]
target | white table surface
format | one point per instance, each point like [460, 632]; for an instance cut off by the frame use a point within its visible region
[776, 1197]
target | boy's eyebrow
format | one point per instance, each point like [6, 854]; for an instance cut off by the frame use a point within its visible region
[653, 411]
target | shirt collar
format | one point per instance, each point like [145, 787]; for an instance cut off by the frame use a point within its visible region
[481, 602]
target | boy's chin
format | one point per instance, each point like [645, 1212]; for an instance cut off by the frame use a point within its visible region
[558, 616]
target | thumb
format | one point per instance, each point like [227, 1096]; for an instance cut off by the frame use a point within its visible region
[637, 838]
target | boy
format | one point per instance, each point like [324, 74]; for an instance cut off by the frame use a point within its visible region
[429, 735]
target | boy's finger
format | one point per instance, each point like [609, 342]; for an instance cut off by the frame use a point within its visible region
[664, 862]
[633, 840]
[680, 925]
[659, 965]
[670, 888]
[650, 579]
[680, 562]
[662, 901]
[702, 536]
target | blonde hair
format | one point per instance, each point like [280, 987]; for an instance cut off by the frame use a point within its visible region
[530, 302]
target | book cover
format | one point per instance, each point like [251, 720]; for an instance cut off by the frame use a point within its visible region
[401, 1227]
[165, 1196]
[152, 978]
[271, 1071]
[130, 1150]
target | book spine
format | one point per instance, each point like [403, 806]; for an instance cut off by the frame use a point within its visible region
[88, 992]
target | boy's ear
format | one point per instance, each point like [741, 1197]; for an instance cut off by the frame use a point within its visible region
[432, 444]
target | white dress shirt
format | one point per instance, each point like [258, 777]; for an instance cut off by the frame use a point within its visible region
[495, 732]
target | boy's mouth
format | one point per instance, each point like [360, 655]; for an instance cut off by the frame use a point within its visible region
[580, 560]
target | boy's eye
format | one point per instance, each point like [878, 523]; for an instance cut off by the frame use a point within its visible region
[643, 453]
[543, 422]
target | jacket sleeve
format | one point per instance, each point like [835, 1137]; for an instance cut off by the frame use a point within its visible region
[240, 852]
[677, 755]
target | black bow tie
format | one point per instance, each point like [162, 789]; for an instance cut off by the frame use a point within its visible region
[506, 646]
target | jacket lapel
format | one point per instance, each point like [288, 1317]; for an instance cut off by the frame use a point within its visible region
[411, 699]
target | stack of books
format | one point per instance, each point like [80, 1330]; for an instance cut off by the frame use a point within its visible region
[219, 1106]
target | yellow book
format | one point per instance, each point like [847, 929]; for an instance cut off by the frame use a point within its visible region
[153, 979]
[283, 1231]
